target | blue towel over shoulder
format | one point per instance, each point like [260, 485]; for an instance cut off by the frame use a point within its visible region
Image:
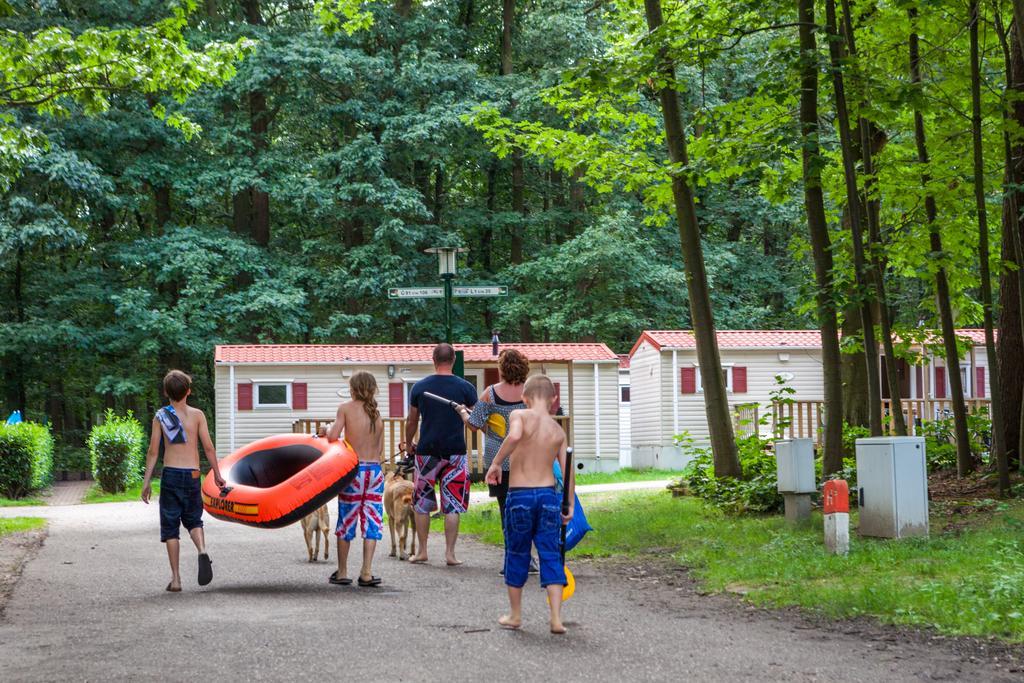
[174, 430]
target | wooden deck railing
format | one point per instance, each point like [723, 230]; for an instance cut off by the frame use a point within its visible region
[394, 434]
[746, 419]
[804, 419]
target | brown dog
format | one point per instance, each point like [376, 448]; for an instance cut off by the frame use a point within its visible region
[398, 504]
[314, 524]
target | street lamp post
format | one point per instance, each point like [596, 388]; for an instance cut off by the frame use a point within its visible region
[446, 266]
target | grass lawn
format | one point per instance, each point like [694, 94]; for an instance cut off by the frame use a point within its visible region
[11, 525]
[20, 502]
[97, 495]
[624, 475]
[966, 579]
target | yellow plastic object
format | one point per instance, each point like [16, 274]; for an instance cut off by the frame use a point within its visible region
[498, 425]
[570, 585]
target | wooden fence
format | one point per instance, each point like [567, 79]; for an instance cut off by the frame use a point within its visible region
[804, 419]
[394, 434]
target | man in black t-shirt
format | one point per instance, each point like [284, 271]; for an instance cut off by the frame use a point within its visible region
[441, 452]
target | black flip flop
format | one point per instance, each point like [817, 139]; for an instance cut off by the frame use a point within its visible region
[374, 581]
[205, 569]
[333, 578]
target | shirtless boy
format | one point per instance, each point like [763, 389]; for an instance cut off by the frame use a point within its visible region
[533, 506]
[362, 501]
[181, 427]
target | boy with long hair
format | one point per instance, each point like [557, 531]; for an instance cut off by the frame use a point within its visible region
[362, 501]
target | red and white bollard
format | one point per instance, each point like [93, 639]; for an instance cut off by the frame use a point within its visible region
[837, 516]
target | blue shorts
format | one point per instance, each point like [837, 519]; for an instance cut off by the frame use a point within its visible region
[533, 516]
[181, 501]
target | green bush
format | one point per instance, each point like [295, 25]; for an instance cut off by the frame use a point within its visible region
[72, 459]
[26, 458]
[757, 491]
[116, 451]
[850, 435]
[940, 442]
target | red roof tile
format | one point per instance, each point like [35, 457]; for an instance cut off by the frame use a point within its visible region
[757, 339]
[624, 361]
[399, 353]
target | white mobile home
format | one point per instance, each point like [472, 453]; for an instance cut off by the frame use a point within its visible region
[277, 388]
[667, 398]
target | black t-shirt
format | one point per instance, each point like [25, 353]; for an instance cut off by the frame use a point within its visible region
[442, 432]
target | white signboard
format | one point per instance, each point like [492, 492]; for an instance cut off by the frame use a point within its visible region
[488, 290]
[438, 292]
[415, 293]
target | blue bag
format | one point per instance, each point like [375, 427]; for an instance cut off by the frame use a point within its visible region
[578, 525]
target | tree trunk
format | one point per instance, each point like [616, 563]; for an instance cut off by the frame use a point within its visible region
[964, 459]
[1010, 345]
[439, 194]
[998, 447]
[814, 204]
[487, 234]
[875, 247]
[716, 400]
[252, 205]
[837, 55]
[508, 18]
[1012, 317]
[162, 205]
[17, 370]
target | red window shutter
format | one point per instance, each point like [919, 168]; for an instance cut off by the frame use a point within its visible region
[919, 378]
[299, 393]
[245, 396]
[688, 380]
[979, 382]
[940, 383]
[491, 377]
[739, 379]
[396, 400]
[558, 398]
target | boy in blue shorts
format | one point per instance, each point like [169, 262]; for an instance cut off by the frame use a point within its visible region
[533, 514]
[179, 429]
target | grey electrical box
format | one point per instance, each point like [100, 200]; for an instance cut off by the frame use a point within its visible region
[794, 465]
[892, 486]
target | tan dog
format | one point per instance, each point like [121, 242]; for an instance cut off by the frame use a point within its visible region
[314, 524]
[398, 504]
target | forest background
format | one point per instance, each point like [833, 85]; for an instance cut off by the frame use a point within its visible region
[285, 200]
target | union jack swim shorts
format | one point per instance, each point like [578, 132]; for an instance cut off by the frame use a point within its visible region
[452, 473]
[362, 502]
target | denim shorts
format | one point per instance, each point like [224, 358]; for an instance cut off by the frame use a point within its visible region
[181, 501]
[533, 516]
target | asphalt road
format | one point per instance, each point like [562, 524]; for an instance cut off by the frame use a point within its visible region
[91, 606]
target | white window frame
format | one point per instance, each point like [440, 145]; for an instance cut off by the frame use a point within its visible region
[728, 378]
[271, 406]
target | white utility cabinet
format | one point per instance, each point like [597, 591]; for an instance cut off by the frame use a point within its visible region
[892, 483]
[794, 463]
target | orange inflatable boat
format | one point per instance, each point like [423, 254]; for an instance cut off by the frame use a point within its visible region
[279, 480]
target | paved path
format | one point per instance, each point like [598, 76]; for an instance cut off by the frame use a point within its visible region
[91, 606]
[67, 492]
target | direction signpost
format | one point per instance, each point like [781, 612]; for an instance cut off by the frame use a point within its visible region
[438, 292]
[446, 257]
